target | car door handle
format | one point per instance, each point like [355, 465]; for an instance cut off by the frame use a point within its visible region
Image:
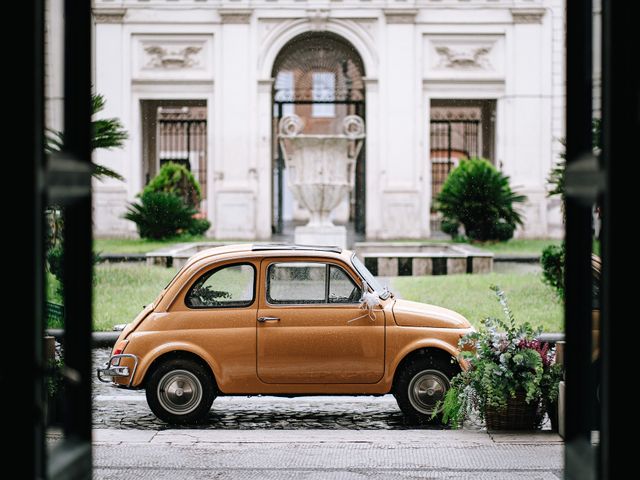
[268, 319]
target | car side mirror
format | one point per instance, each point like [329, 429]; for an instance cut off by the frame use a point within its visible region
[369, 299]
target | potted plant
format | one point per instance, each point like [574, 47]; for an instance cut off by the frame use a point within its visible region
[511, 376]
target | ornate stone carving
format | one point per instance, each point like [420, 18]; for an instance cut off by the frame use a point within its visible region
[109, 15]
[172, 58]
[464, 58]
[527, 15]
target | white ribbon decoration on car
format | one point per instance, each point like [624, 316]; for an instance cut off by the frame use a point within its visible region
[368, 301]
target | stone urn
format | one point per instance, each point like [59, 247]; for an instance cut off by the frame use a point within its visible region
[321, 174]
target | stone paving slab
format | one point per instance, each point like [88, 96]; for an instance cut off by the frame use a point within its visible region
[322, 455]
[197, 436]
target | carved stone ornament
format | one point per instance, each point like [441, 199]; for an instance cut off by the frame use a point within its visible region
[527, 15]
[109, 15]
[172, 58]
[318, 19]
[464, 58]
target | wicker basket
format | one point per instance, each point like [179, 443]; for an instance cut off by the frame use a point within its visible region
[518, 415]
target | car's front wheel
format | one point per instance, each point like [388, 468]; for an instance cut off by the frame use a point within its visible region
[420, 389]
[180, 391]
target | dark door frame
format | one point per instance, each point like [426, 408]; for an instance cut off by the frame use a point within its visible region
[599, 179]
[62, 179]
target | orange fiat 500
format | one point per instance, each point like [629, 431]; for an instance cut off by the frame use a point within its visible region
[284, 320]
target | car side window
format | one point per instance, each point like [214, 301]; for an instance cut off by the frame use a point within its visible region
[342, 289]
[297, 283]
[229, 286]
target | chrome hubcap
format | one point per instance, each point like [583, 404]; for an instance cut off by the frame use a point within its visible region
[179, 392]
[426, 389]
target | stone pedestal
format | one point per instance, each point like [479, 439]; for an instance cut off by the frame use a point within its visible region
[334, 235]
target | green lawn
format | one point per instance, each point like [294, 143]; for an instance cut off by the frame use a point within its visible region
[519, 246]
[529, 299]
[120, 291]
[138, 245]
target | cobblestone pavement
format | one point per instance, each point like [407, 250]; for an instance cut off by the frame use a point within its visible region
[121, 408]
[311, 438]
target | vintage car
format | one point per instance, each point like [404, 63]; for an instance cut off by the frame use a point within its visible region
[284, 320]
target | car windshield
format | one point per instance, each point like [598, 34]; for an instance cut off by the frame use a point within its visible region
[367, 276]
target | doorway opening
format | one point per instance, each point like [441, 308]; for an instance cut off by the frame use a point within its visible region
[319, 77]
[175, 131]
[458, 129]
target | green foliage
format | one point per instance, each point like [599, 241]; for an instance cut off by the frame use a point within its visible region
[54, 261]
[556, 178]
[552, 261]
[199, 226]
[504, 359]
[450, 227]
[160, 215]
[480, 198]
[106, 133]
[176, 179]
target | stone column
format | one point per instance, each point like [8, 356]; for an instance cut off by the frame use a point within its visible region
[235, 201]
[527, 108]
[401, 210]
[111, 196]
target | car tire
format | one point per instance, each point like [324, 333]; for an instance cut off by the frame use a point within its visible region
[419, 386]
[180, 391]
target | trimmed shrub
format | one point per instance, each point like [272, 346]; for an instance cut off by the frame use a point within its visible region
[160, 215]
[176, 179]
[552, 261]
[479, 197]
[199, 226]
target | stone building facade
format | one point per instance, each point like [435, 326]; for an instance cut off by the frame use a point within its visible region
[435, 80]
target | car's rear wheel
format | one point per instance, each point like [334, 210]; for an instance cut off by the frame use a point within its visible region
[420, 389]
[180, 391]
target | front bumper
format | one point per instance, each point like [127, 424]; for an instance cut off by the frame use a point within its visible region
[113, 371]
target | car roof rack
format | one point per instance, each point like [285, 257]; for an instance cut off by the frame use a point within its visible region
[289, 246]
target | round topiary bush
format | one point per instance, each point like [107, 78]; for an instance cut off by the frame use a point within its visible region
[479, 197]
[160, 215]
[178, 180]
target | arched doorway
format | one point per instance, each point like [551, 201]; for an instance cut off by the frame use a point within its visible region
[319, 77]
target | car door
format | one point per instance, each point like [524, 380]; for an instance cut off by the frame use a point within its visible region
[311, 328]
[216, 313]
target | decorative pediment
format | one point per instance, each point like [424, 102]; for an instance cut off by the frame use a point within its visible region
[463, 57]
[172, 58]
